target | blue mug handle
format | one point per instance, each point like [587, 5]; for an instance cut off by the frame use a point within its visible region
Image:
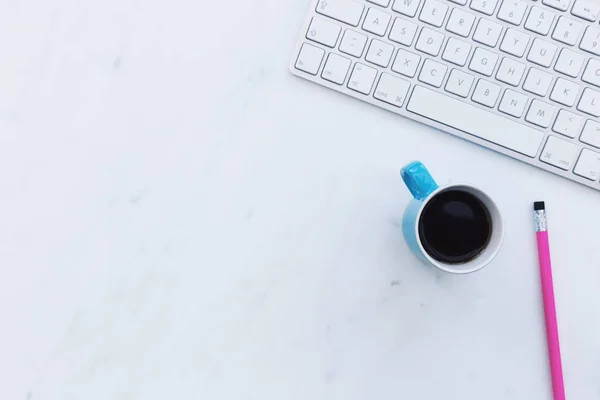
[418, 180]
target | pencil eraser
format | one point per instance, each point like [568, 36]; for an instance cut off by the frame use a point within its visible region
[539, 205]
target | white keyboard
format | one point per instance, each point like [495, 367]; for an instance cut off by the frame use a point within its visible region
[521, 77]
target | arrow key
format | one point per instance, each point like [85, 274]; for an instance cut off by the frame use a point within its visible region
[568, 124]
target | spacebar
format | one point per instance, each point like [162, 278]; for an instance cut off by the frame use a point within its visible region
[475, 121]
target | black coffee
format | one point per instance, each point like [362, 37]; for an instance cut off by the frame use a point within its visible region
[455, 227]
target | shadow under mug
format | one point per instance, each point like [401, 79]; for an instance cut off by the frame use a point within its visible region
[424, 189]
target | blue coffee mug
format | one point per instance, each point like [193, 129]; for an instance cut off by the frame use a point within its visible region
[423, 188]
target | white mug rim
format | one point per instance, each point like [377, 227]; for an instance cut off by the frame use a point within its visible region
[456, 269]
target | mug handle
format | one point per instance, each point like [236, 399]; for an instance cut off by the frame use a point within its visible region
[418, 180]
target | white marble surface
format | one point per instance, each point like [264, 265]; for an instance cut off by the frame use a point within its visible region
[182, 218]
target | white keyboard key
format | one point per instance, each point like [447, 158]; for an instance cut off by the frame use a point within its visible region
[348, 11]
[403, 32]
[459, 83]
[456, 52]
[382, 3]
[591, 40]
[362, 78]
[324, 32]
[433, 12]
[591, 133]
[561, 5]
[539, 20]
[537, 82]
[483, 61]
[380, 53]
[559, 152]
[353, 43]
[564, 92]
[460, 22]
[590, 102]
[588, 165]
[513, 103]
[540, 113]
[336, 69]
[406, 7]
[569, 63]
[391, 90]
[592, 72]
[310, 58]
[568, 124]
[406, 63]
[433, 73]
[512, 11]
[486, 93]
[515, 42]
[567, 31]
[586, 9]
[542, 52]
[376, 21]
[430, 42]
[482, 124]
[487, 32]
[484, 6]
[510, 71]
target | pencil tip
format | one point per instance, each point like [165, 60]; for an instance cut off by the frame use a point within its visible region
[539, 205]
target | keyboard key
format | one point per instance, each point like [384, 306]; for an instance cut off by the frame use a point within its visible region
[382, 3]
[512, 11]
[336, 69]
[539, 20]
[510, 71]
[590, 102]
[456, 52]
[486, 93]
[376, 21]
[482, 124]
[588, 165]
[324, 32]
[569, 63]
[433, 73]
[406, 7]
[591, 41]
[309, 59]
[540, 113]
[537, 82]
[560, 5]
[406, 63]
[403, 32]
[391, 90]
[586, 9]
[513, 103]
[567, 31]
[515, 42]
[430, 42]
[348, 11]
[541, 52]
[564, 92]
[353, 43]
[459, 83]
[591, 133]
[487, 32]
[484, 6]
[592, 73]
[483, 61]
[380, 53]
[362, 78]
[559, 152]
[433, 12]
[568, 124]
[460, 22]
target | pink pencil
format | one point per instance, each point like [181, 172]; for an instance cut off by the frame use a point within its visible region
[541, 227]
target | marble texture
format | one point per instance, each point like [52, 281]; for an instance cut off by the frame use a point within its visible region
[182, 218]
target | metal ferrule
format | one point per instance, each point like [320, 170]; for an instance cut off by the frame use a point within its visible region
[541, 223]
